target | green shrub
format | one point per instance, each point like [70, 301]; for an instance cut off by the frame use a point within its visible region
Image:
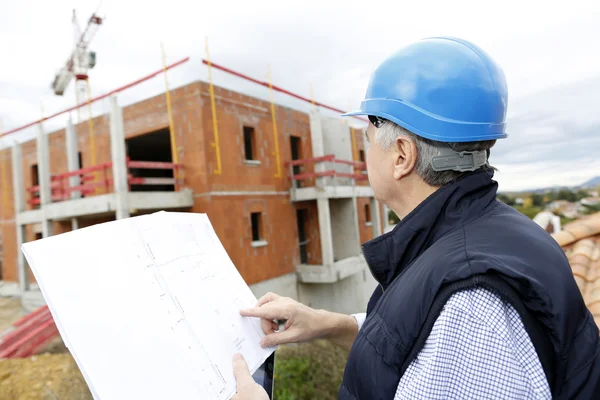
[309, 371]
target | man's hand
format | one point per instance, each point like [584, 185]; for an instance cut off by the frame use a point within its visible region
[247, 389]
[302, 323]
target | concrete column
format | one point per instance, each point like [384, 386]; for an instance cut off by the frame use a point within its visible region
[19, 193]
[43, 159]
[344, 228]
[119, 160]
[336, 140]
[325, 231]
[375, 217]
[73, 164]
[318, 144]
[356, 226]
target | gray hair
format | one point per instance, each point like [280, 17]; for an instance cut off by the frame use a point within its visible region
[428, 149]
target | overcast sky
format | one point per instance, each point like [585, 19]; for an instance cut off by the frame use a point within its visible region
[549, 52]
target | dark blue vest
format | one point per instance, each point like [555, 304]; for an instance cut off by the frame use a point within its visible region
[459, 237]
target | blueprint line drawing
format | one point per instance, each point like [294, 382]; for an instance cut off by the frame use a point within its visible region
[172, 317]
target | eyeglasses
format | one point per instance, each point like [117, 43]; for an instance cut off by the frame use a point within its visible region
[377, 121]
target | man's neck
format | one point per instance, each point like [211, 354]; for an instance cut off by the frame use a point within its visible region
[410, 194]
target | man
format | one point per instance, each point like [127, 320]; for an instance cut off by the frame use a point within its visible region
[474, 299]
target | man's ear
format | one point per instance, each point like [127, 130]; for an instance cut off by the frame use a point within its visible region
[405, 157]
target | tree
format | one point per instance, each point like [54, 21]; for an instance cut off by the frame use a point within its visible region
[565, 194]
[552, 196]
[537, 200]
[581, 194]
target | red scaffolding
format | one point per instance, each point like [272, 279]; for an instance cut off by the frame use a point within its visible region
[276, 88]
[103, 96]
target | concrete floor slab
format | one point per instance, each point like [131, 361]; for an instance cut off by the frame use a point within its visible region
[106, 204]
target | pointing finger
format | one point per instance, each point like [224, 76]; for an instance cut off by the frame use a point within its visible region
[266, 311]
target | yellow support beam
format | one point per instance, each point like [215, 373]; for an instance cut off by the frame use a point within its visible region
[91, 124]
[354, 145]
[274, 119]
[211, 90]
[91, 131]
[4, 181]
[174, 152]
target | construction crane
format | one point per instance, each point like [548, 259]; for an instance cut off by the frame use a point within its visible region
[81, 59]
[77, 65]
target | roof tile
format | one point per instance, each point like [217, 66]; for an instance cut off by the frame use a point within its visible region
[581, 242]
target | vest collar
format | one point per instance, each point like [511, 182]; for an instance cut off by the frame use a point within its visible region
[449, 207]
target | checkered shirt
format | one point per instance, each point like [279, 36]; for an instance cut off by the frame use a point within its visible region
[478, 349]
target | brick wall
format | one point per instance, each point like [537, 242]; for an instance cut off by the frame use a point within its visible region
[229, 197]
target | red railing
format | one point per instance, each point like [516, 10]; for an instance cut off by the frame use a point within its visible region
[100, 177]
[28, 335]
[175, 181]
[89, 182]
[359, 173]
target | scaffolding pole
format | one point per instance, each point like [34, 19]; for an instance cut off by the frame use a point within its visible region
[4, 187]
[354, 146]
[274, 119]
[91, 132]
[91, 124]
[174, 152]
[211, 90]
[3, 181]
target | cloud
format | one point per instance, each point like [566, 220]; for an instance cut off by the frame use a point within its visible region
[558, 125]
[331, 45]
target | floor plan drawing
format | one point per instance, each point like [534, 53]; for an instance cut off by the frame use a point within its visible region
[180, 296]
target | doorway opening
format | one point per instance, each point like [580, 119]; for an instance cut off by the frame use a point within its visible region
[296, 147]
[152, 146]
[35, 181]
[301, 216]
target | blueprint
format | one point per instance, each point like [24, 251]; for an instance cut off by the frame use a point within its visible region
[149, 306]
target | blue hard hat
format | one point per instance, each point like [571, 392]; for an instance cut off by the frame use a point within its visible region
[441, 88]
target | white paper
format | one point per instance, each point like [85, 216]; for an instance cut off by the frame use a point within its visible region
[149, 306]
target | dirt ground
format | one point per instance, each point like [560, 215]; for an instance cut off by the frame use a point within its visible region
[50, 375]
[302, 372]
[46, 376]
[10, 311]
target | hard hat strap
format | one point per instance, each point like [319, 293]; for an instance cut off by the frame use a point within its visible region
[450, 160]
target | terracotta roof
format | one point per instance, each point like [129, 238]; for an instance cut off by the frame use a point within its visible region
[581, 241]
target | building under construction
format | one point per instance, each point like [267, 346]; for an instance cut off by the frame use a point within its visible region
[285, 190]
